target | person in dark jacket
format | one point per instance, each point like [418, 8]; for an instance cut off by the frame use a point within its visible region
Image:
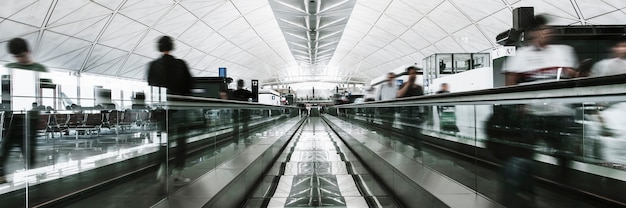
[241, 94]
[410, 88]
[172, 74]
[241, 115]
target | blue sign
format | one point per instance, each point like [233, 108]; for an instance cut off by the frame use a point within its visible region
[399, 82]
[222, 72]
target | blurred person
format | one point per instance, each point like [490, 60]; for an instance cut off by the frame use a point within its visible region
[241, 94]
[612, 66]
[447, 113]
[540, 60]
[370, 94]
[172, 74]
[608, 67]
[443, 88]
[388, 90]
[224, 113]
[168, 71]
[411, 115]
[18, 47]
[584, 67]
[223, 95]
[241, 115]
[410, 88]
[18, 123]
[554, 123]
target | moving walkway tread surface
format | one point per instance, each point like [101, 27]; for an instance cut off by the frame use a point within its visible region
[481, 177]
[317, 170]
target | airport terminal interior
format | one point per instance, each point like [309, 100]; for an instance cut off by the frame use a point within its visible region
[313, 103]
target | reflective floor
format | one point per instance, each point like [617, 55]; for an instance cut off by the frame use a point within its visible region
[66, 155]
[317, 170]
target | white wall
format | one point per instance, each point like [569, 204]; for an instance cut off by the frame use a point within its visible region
[267, 99]
[475, 79]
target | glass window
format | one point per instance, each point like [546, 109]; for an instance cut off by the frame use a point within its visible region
[444, 64]
[462, 62]
[481, 60]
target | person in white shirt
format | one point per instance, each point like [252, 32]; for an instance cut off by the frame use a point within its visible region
[540, 60]
[554, 123]
[388, 90]
[370, 94]
[615, 65]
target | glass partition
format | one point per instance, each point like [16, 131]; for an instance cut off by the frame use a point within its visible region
[571, 142]
[115, 135]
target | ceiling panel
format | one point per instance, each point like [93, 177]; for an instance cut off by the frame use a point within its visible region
[371, 36]
[123, 33]
[133, 64]
[221, 16]
[67, 12]
[103, 58]
[110, 4]
[403, 13]
[148, 45]
[176, 22]
[615, 17]
[196, 34]
[429, 30]
[448, 17]
[391, 26]
[27, 12]
[247, 6]
[147, 12]
[11, 29]
[55, 44]
[414, 39]
[423, 7]
[479, 11]
[86, 29]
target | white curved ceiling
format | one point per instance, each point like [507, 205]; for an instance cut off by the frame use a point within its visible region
[117, 37]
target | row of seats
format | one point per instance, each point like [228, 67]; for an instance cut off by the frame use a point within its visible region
[62, 123]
